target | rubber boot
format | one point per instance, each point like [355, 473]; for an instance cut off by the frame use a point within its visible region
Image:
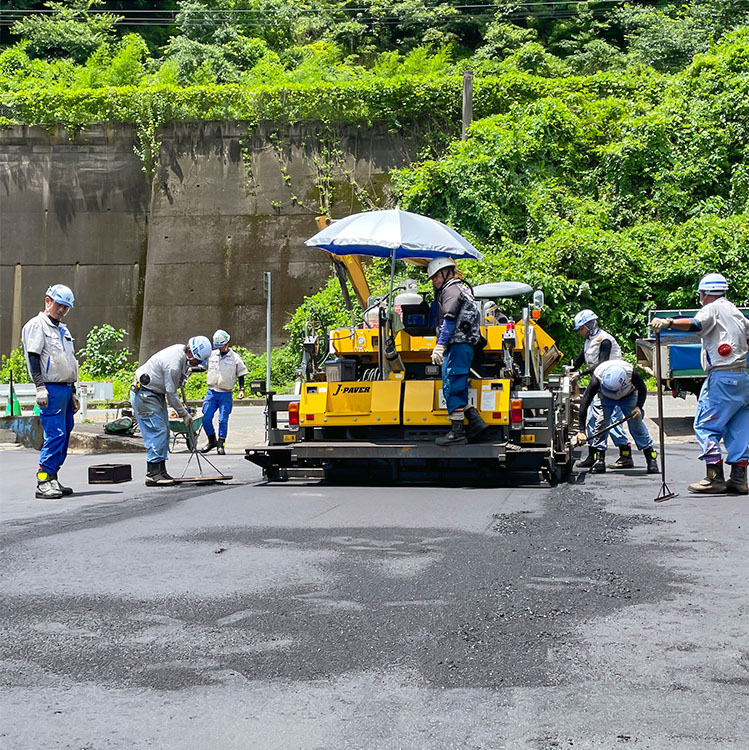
[651, 458]
[456, 436]
[164, 473]
[154, 477]
[211, 444]
[476, 424]
[737, 484]
[714, 482]
[587, 462]
[221, 450]
[46, 489]
[599, 465]
[625, 460]
[65, 490]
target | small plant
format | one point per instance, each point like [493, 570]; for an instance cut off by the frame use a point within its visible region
[103, 356]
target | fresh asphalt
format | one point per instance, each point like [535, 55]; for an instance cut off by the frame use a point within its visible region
[311, 616]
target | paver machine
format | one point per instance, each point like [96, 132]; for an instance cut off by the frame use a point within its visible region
[371, 406]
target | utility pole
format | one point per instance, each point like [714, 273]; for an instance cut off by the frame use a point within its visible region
[467, 101]
[267, 294]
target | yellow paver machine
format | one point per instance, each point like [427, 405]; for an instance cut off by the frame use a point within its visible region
[372, 408]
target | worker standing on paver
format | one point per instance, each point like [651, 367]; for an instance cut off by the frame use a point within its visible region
[619, 385]
[458, 321]
[50, 358]
[225, 369]
[599, 346]
[723, 405]
[157, 383]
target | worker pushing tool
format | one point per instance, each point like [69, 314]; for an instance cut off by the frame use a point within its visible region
[225, 369]
[50, 358]
[619, 385]
[599, 346]
[723, 405]
[157, 383]
[458, 324]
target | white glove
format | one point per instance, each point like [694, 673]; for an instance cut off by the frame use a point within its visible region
[636, 413]
[581, 438]
[574, 376]
[76, 403]
[241, 393]
[187, 419]
[657, 323]
[438, 354]
[42, 397]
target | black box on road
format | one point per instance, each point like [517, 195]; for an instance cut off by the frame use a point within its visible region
[109, 473]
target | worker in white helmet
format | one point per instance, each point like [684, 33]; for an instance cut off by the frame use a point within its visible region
[157, 383]
[598, 347]
[619, 385]
[225, 369]
[50, 359]
[458, 329]
[723, 405]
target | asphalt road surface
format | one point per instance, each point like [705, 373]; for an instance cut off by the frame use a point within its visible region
[311, 616]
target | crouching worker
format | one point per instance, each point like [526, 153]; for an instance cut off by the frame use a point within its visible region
[157, 384]
[457, 333]
[50, 358]
[225, 368]
[619, 385]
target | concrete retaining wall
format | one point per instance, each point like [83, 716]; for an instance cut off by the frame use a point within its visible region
[182, 254]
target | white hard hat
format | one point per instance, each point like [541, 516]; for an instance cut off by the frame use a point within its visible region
[713, 283]
[613, 379]
[60, 294]
[220, 338]
[583, 317]
[437, 264]
[200, 347]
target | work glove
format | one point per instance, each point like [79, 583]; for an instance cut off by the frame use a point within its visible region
[657, 323]
[574, 377]
[241, 393]
[76, 403]
[42, 397]
[581, 438]
[636, 413]
[187, 419]
[438, 354]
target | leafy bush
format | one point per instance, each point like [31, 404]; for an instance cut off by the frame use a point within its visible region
[16, 362]
[103, 356]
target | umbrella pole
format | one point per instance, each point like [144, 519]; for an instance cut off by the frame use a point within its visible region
[388, 325]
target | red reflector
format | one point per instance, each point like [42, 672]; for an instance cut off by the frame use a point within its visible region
[496, 415]
[294, 413]
[310, 417]
[516, 411]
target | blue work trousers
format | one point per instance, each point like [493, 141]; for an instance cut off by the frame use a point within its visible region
[57, 423]
[455, 367]
[595, 423]
[213, 401]
[637, 428]
[153, 420]
[723, 412]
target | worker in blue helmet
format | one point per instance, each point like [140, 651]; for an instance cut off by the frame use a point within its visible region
[157, 384]
[723, 405]
[225, 369]
[50, 357]
[619, 386]
[599, 346]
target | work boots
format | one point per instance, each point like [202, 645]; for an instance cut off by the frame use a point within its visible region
[476, 424]
[65, 490]
[737, 484]
[211, 444]
[599, 463]
[46, 487]
[625, 460]
[456, 436]
[156, 475]
[221, 451]
[587, 462]
[714, 482]
[651, 458]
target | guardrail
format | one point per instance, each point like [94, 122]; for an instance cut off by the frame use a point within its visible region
[26, 393]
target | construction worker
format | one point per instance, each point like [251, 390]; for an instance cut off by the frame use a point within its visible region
[157, 383]
[50, 359]
[599, 346]
[458, 319]
[723, 405]
[619, 385]
[225, 368]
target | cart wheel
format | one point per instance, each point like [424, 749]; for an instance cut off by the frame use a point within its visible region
[552, 472]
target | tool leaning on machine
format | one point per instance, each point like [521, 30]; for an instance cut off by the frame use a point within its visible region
[375, 404]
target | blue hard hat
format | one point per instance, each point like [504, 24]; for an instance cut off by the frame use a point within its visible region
[200, 347]
[613, 379]
[583, 317]
[60, 294]
[713, 283]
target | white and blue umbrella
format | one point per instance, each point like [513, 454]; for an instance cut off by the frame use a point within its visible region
[393, 234]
